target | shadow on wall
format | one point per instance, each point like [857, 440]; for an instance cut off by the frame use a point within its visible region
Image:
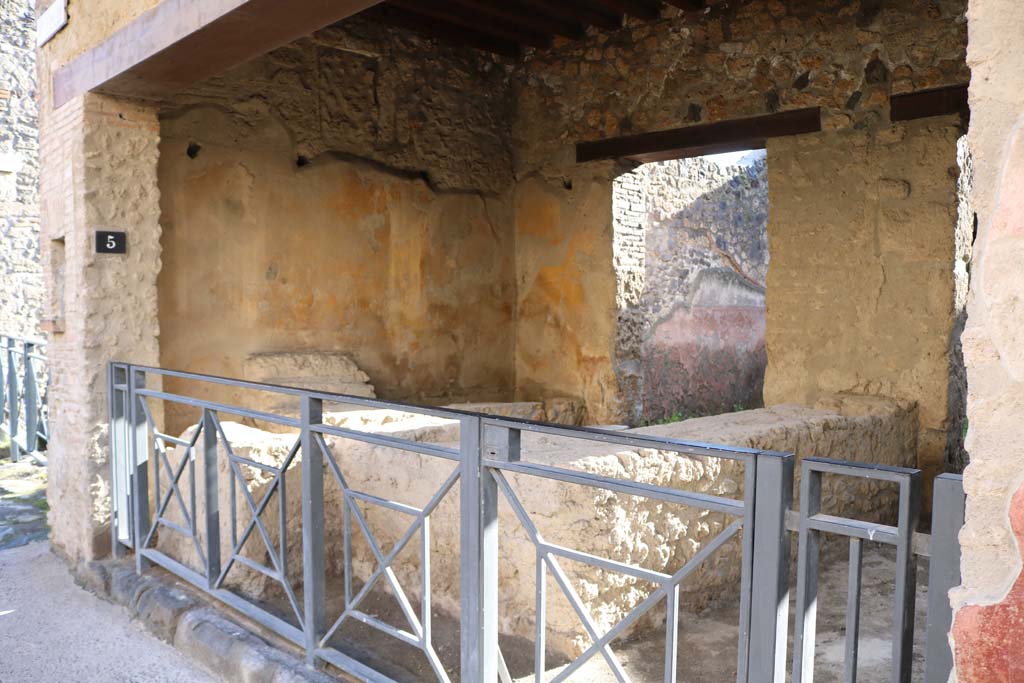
[701, 343]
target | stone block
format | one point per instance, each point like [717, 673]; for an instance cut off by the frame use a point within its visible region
[160, 607]
[235, 654]
[123, 584]
[93, 576]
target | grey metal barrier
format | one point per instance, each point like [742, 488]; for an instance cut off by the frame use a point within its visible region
[488, 450]
[24, 406]
[942, 549]
[145, 476]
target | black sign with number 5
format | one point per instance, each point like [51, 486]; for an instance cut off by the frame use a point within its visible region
[111, 242]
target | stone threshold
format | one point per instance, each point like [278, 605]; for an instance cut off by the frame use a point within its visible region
[224, 641]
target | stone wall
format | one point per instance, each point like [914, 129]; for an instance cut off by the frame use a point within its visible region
[337, 256]
[989, 623]
[99, 159]
[343, 194]
[696, 330]
[361, 91]
[21, 277]
[845, 56]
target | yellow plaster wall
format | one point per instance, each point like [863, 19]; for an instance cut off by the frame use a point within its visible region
[566, 317]
[861, 282]
[260, 255]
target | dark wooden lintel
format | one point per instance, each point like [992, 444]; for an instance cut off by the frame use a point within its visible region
[537, 19]
[641, 9]
[576, 12]
[583, 11]
[708, 138]
[180, 42]
[933, 102]
[687, 5]
[464, 17]
[445, 31]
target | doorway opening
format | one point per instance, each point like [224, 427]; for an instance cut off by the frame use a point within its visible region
[691, 260]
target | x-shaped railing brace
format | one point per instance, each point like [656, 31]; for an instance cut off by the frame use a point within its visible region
[667, 588]
[420, 637]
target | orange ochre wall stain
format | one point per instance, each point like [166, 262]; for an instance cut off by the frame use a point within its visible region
[418, 287]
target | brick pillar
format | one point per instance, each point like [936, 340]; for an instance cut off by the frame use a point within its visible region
[99, 172]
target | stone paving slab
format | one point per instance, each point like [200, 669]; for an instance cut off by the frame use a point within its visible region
[53, 631]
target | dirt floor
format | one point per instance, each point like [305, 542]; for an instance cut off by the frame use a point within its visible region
[707, 640]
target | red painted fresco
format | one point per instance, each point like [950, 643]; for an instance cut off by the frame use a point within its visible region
[990, 638]
[705, 360]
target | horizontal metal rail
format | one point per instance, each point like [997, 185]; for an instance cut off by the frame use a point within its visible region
[198, 486]
[24, 404]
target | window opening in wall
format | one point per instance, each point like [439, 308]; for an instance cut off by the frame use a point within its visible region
[691, 259]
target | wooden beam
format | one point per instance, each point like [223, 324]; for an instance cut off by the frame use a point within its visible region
[180, 42]
[574, 12]
[708, 138]
[527, 17]
[444, 31]
[687, 5]
[642, 9]
[466, 18]
[934, 102]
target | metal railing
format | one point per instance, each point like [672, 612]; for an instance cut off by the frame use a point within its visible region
[24, 407]
[487, 458]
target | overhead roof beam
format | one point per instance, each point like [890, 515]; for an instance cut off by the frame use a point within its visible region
[465, 17]
[180, 42]
[642, 9]
[448, 32]
[528, 17]
[933, 102]
[575, 12]
[708, 138]
[687, 5]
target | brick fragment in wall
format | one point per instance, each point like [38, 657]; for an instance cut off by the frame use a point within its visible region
[21, 293]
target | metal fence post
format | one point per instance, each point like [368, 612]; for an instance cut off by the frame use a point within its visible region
[3, 379]
[314, 580]
[499, 443]
[906, 579]
[115, 423]
[948, 510]
[12, 401]
[31, 401]
[211, 499]
[478, 558]
[807, 577]
[139, 445]
[769, 602]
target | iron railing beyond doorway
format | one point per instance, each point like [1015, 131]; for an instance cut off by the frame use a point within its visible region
[24, 405]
